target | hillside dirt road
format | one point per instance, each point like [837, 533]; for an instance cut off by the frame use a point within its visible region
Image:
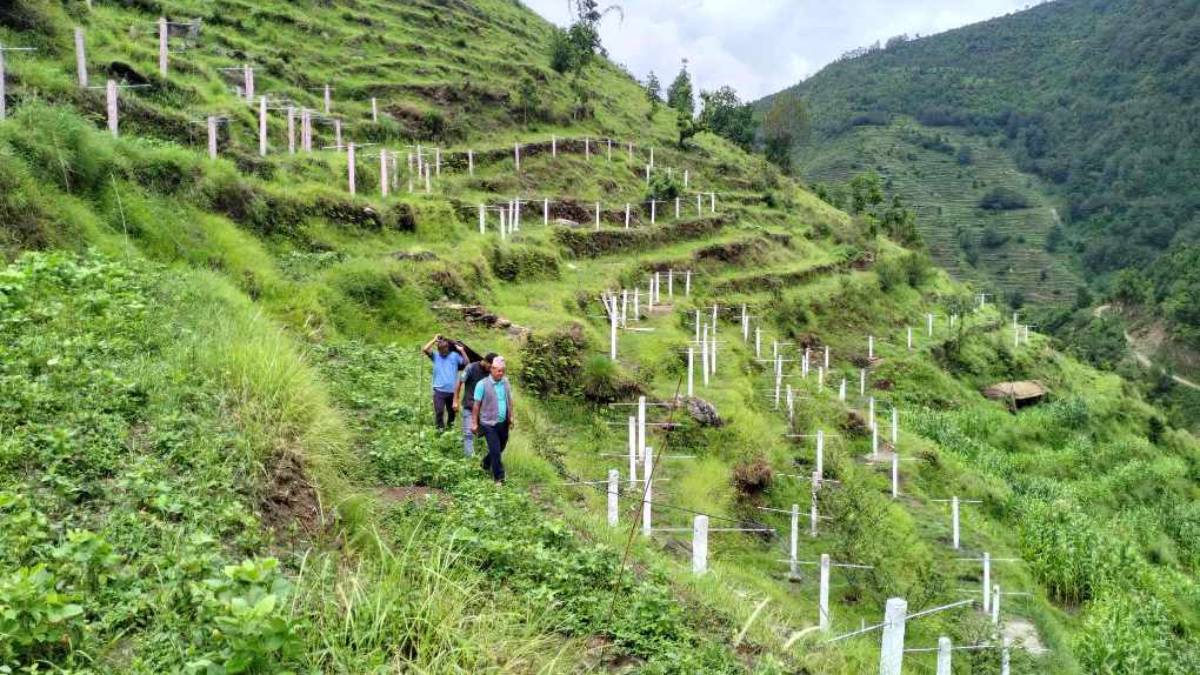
[1142, 359]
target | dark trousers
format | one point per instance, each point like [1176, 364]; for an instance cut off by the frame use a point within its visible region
[497, 440]
[443, 405]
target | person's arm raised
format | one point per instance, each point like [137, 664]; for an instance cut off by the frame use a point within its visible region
[429, 345]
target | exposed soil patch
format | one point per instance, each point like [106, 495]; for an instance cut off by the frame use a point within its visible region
[414, 493]
[479, 315]
[291, 503]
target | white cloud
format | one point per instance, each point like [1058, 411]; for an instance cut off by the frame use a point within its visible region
[762, 46]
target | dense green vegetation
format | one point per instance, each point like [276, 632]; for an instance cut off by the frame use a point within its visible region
[215, 447]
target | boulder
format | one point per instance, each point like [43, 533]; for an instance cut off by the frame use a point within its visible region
[703, 412]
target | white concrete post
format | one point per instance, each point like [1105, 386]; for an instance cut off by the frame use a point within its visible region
[712, 202]
[81, 71]
[502, 223]
[587, 148]
[350, 169]
[687, 284]
[428, 181]
[704, 357]
[712, 351]
[842, 391]
[791, 404]
[745, 324]
[699, 207]
[328, 100]
[647, 175]
[871, 412]
[624, 307]
[633, 450]
[895, 475]
[812, 507]
[954, 519]
[987, 582]
[262, 126]
[631, 152]
[384, 183]
[671, 282]
[471, 162]
[685, 179]
[517, 156]
[110, 90]
[691, 375]
[162, 46]
[597, 215]
[1016, 339]
[212, 137]
[891, 652]
[826, 357]
[610, 149]
[820, 378]
[482, 219]
[291, 129]
[996, 605]
[613, 319]
[862, 385]
[700, 544]
[874, 442]
[3, 87]
[650, 295]
[794, 541]
[697, 325]
[375, 110]
[641, 426]
[437, 161]
[614, 478]
[658, 287]
[870, 346]
[627, 215]
[820, 463]
[652, 157]
[248, 81]
[757, 342]
[929, 324]
[647, 472]
[823, 594]
[910, 338]
[944, 657]
[637, 310]
[677, 208]
[1004, 657]
[653, 211]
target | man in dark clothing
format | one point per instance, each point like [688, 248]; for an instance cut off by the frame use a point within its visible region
[446, 365]
[464, 398]
[493, 414]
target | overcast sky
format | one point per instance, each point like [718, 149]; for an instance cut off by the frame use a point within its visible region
[762, 46]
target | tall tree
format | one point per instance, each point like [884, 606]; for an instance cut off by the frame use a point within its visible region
[679, 94]
[724, 114]
[784, 124]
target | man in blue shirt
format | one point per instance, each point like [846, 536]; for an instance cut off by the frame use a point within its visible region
[493, 415]
[446, 365]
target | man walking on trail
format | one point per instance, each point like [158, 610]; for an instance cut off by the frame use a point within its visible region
[464, 398]
[446, 365]
[493, 415]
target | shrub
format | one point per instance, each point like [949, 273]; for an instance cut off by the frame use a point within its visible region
[1003, 199]
[553, 364]
[522, 263]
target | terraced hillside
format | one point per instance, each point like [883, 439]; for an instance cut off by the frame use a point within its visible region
[216, 453]
[944, 184]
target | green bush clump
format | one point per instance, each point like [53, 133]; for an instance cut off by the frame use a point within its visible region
[522, 263]
[553, 364]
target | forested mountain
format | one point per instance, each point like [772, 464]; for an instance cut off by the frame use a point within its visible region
[1093, 105]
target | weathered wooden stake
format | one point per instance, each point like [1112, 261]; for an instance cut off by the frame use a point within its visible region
[110, 90]
[891, 652]
[162, 46]
[700, 544]
[81, 70]
[614, 478]
[823, 594]
[350, 169]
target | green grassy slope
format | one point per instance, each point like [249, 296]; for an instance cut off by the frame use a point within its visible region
[216, 452]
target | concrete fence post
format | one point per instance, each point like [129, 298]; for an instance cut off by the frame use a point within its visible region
[842, 391]
[375, 110]
[687, 283]
[162, 46]
[699, 208]
[633, 450]
[909, 331]
[954, 519]
[262, 126]
[3, 87]
[653, 211]
[987, 582]
[895, 475]
[614, 478]
[291, 129]
[823, 620]
[1004, 656]
[700, 544]
[820, 460]
[328, 100]
[350, 169]
[891, 652]
[813, 517]
[929, 324]
[81, 71]
[691, 372]
[110, 90]
[996, 605]
[554, 146]
[704, 357]
[641, 426]
[945, 655]
[757, 342]
[384, 182]
[627, 215]
[794, 541]
[482, 219]
[212, 137]
[248, 81]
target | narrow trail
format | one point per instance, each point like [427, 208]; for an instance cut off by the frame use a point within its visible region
[1143, 360]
